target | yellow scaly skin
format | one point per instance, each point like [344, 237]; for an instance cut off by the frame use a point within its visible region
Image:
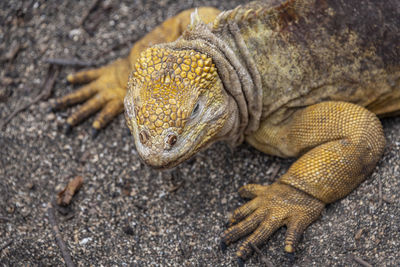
[180, 101]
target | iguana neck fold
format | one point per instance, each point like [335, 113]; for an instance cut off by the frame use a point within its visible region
[236, 70]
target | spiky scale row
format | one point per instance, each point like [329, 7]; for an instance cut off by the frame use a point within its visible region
[256, 11]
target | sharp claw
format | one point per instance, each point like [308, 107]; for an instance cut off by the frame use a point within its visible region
[68, 129]
[52, 108]
[95, 132]
[223, 246]
[240, 262]
[290, 256]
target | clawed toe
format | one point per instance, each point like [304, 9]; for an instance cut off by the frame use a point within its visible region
[223, 246]
[240, 262]
[68, 129]
[269, 210]
[94, 133]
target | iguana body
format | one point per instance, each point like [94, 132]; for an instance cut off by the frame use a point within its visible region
[276, 76]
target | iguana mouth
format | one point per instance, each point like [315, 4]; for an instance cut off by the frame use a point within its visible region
[168, 158]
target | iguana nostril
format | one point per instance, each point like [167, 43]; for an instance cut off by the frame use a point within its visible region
[143, 136]
[171, 140]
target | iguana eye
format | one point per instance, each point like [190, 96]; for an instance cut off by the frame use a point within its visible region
[195, 110]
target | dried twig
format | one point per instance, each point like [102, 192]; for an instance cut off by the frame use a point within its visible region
[44, 95]
[70, 62]
[263, 258]
[9, 242]
[4, 219]
[359, 233]
[361, 261]
[97, 19]
[175, 188]
[56, 231]
[64, 197]
[379, 191]
[92, 7]
[14, 50]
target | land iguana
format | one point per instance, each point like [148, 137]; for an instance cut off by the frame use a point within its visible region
[303, 79]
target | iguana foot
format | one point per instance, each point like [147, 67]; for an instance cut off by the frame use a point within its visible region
[271, 207]
[105, 92]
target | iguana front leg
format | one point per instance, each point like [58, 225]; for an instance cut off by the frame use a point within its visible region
[108, 84]
[339, 143]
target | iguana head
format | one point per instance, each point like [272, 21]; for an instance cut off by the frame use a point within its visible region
[175, 105]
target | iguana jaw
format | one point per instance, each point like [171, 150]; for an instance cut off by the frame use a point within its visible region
[214, 123]
[199, 136]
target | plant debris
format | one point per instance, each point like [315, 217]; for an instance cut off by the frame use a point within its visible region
[64, 197]
[70, 62]
[58, 237]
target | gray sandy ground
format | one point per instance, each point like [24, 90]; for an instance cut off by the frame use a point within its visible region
[126, 213]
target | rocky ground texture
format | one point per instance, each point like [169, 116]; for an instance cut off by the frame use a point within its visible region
[127, 214]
